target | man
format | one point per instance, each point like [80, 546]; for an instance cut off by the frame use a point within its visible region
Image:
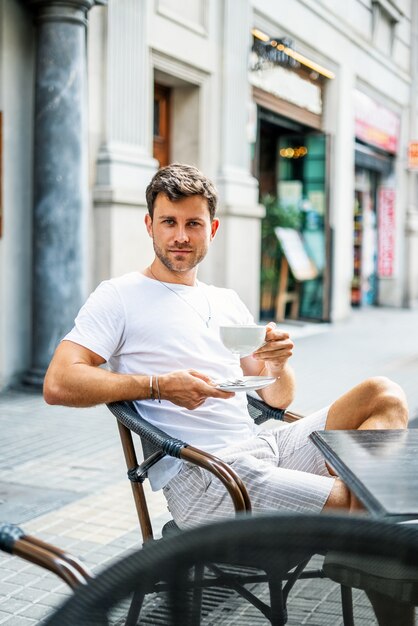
[152, 327]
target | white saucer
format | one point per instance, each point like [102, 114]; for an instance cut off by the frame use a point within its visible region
[250, 383]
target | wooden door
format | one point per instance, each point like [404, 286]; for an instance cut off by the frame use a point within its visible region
[161, 150]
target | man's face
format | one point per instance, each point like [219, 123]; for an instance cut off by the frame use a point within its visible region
[181, 231]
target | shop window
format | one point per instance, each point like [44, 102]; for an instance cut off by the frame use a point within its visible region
[298, 202]
[364, 286]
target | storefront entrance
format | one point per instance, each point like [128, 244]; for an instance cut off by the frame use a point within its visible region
[365, 284]
[373, 233]
[290, 165]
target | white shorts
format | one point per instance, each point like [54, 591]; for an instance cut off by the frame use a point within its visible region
[281, 469]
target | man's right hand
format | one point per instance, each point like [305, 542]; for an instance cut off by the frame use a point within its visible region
[189, 388]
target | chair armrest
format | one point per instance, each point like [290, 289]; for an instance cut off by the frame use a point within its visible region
[290, 416]
[230, 479]
[126, 413]
[260, 411]
[14, 541]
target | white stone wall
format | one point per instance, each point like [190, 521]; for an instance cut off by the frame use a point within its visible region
[16, 104]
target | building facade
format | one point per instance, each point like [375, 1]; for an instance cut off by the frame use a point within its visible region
[301, 112]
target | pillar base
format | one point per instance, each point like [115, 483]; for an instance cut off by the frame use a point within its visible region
[34, 378]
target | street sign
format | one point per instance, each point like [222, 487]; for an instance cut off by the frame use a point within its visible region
[386, 232]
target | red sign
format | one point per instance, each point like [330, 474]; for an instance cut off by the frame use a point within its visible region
[386, 232]
[413, 155]
[375, 124]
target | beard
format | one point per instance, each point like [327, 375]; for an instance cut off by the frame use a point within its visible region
[180, 263]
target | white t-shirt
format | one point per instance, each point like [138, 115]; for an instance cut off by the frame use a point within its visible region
[139, 326]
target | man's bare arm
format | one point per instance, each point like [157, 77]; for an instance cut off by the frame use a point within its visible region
[74, 378]
[272, 360]
[282, 392]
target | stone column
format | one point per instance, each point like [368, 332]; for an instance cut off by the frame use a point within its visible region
[60, 174]
[124, 164]
[238, 190]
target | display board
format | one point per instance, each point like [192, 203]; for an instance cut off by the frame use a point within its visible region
[301, 266]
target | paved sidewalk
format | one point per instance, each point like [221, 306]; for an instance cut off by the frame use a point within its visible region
[374, 342]
[63, 475]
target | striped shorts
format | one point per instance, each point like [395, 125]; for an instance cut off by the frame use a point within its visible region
[281, 469]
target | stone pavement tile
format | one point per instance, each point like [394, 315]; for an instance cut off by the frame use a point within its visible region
[14, 564]
[17, 620]
[29, 594]
[132, 540]
[61, 473]
[54, 599]
[5, 573]
[36, 611]
[49, 583]
[7, 589]
[27, 577]
[313, 592]
[82, 548]
[78, 520]
[301, 619]
[324, 606]
[14, 605]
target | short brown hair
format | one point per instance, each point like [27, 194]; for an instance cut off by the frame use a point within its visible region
[179, 181]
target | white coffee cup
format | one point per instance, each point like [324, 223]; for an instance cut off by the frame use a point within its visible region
[242, 339]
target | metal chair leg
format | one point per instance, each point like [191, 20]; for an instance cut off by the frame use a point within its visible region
[347, 605]
[135, 609]
[278, 610]
[198, 576]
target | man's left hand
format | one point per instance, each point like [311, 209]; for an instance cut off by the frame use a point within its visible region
[276, 350]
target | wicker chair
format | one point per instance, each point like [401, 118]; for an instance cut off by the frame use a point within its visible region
[155, 445]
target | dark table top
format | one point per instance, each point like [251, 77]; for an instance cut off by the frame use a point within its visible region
[379, 466]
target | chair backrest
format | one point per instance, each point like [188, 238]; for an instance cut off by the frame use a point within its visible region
[269, 542]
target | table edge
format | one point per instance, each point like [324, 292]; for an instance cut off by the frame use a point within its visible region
[348, 477]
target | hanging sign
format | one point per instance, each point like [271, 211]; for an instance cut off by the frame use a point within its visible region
[375, 124]
[386, 232]
[413, 155]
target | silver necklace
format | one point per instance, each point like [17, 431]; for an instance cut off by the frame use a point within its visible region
[206, 321]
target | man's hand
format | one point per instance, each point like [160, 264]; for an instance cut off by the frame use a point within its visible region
[272, 359]
[189, 388]
[276, 350]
